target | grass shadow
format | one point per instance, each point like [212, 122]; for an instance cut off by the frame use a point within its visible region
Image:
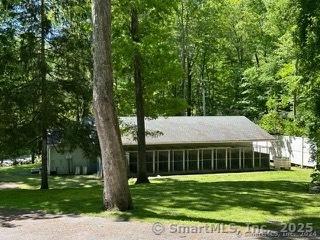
[239, 198]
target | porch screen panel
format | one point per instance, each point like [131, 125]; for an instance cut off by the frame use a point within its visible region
[149, 162]
[257, 160]
[206, 160]
[265, 161]
[235, 158]
[221, 159]
[193, 160]
[133, 162]
[177, 161]
[248, 158]
[163, 159]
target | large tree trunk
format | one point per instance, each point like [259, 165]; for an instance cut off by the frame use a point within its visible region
[44, 122]
[116, 194]
[142, 176]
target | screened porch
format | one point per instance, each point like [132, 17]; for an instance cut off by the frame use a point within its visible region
[180, 161]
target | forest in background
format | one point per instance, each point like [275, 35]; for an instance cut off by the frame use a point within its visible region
[255, 58]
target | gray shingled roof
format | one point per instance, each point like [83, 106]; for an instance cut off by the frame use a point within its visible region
[186, 130]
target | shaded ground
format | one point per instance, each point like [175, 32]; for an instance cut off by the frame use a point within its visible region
[38, 226]
[238, 198]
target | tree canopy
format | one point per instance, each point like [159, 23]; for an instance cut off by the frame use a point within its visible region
[255, 58]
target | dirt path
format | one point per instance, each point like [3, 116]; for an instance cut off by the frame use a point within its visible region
[38, 226]
[8, 185]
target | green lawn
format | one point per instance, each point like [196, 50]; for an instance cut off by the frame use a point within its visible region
[241, 198]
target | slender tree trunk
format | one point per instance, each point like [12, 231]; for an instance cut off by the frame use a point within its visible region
[257, 59]
[142, 176]
[44, 122]
[116, 194]
[183, 50]
[203, 82]
[189, 87]
[33, 156]
[295, 104]
[185, 56]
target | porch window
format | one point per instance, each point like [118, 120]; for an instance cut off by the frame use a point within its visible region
[163, 159]
[221, 159]
[177, 161]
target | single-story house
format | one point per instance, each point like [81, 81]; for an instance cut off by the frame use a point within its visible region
[183, 145]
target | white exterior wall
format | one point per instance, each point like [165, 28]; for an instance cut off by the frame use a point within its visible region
[66, 162]
[297, 149]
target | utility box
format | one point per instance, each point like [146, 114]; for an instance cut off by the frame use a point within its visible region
[282, 163]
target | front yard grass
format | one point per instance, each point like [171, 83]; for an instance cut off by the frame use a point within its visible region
[239, 198]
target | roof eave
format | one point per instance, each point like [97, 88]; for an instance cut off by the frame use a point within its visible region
[204, 142]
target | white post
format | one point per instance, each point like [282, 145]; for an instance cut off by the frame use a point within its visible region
[253, 158]
[212, 156]
[260, 157]
[216, 158]
[226, 158]
[243, 158]
[302, 147]
[240, 158]
[201, 159]
[169, 155]
[172, 160]
[187, 151]
[198, 159]
[158, 161]
[184, 160]
[128, 157]
[49, 160]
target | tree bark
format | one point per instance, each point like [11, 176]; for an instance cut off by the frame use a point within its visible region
[33, 156]
[185, 56]
[142, 176]
[189, 87]
[44, 122]
[116, 194]
[183, 50]
[203, 82]
[257, 59]
[44, 161]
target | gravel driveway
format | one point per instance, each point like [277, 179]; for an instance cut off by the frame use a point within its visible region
[39, 226]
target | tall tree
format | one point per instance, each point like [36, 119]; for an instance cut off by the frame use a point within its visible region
[43, 74]
[116, 189]
[142, 176]
[309, 46]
